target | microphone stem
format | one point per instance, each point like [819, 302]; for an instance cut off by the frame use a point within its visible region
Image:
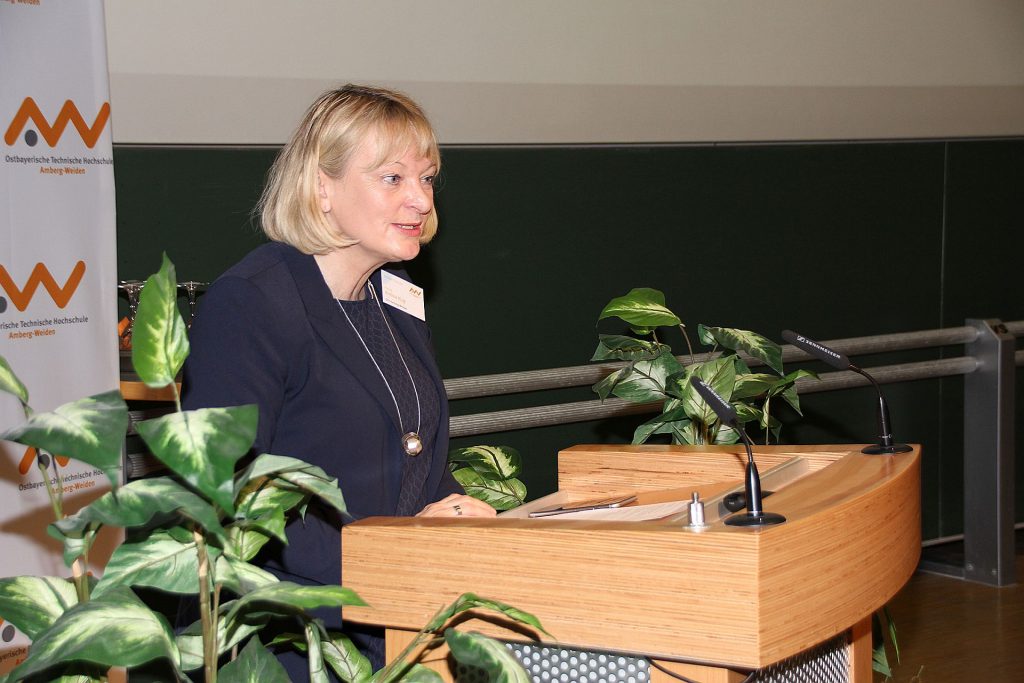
[885, 432]
[752, 479]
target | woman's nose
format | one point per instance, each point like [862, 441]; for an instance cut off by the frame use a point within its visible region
[421, 197]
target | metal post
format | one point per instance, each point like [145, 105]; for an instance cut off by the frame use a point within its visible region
[989, 457]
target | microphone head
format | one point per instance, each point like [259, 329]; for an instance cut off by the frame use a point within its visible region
[723, 409]
[819, 351]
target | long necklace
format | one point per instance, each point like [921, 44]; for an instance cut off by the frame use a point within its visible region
[412, 444]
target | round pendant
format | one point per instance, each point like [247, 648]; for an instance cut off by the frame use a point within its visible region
[412, 444]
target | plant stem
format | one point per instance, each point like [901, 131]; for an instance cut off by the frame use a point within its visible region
[55, 500]
[689, 346]
[205, 615]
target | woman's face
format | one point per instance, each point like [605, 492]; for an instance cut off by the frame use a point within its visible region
[383, 207]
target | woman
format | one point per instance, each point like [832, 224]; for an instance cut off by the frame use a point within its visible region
[302, 326]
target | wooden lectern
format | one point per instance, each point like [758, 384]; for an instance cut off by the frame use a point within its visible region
[711, 604]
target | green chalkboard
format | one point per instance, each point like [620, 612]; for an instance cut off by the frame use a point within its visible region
[833, 240]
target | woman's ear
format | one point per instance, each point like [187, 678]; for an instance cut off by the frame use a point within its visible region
[323, 186]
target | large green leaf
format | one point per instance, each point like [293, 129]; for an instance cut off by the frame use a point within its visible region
[286, 598]
[345, 659]
[312, 480]
[786, 387]
[720, 375]
[646, 383]
[265, 465]
[136, 504]
[112, 630]
[642, 307]
[496, 660]
[749, 385]
[157, 561]
[500, 494]
[202, 446]
[10, 383]
[33, 603]
[159, 338]
[757, 346]
[315, 655]
[239, 576]
[605, 387]
[468, 601]
[254, 665]
[619, 347]
[662, 424]
[248, 536]
[497, 462]
[90, 430]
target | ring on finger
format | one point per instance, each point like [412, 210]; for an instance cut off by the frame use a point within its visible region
[458, 510]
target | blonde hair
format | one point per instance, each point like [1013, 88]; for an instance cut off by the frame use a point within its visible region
[329, 134]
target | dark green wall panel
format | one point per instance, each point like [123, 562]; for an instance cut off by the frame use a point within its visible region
[833, 240]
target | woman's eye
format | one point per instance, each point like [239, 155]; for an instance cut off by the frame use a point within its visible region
[392, 179]
[428, 180]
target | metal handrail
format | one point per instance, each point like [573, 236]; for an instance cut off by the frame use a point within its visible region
[584, 375]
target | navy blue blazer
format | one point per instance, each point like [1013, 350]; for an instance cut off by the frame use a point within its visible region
[269, 332]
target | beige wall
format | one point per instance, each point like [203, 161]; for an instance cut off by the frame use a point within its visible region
[558, 71]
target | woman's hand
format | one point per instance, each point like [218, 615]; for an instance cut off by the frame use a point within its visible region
[458, 505]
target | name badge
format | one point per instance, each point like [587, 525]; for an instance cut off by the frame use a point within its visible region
[403, 295]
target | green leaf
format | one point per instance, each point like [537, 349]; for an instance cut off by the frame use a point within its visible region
[90, 430]
[345, 659]
[157, 561]
[786, 387]
[255, 664]
[749, 385]
[33, 603]
[136, 504]
[311, 479]
[720, 375]
[642, 307]
[202, 446]
[315, 656]
[759, 347]
[495, 462]
[468, 601]
[10, 383]
[266, 465]
[661, 423]
[476, 650]
[646, 383]
[159, 338]
[113, 630]
[239, 576]
[618, 347]
[500, 494]
[605, 387]
[286, 598]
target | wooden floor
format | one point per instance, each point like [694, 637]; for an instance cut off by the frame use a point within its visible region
[960, 632]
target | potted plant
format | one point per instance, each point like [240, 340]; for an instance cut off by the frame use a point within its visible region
[191, 533]
[653, 374]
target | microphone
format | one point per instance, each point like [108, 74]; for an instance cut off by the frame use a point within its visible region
[754, 516]
[886, 444]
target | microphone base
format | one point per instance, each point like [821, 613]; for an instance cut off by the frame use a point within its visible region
[747, 519]
[880, 449]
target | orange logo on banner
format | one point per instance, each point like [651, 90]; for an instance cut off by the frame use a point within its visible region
[51, 134]
[41, 276]
[30, 456]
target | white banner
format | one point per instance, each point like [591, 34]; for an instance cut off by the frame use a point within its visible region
[58, 275]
